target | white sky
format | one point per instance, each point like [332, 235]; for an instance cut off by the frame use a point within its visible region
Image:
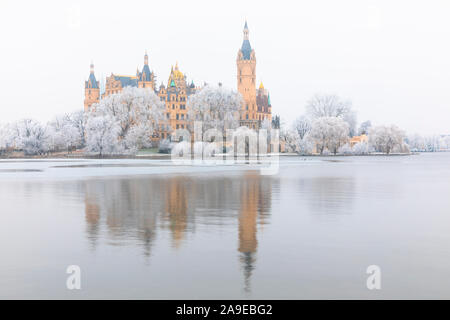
[391, 58]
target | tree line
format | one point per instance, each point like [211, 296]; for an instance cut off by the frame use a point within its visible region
[123, 123]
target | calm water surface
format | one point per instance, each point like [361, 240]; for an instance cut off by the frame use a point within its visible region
[148, 229]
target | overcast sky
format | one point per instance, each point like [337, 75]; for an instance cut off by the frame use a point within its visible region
[391, 58]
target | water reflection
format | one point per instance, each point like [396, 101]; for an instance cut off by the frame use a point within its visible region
[139, 208]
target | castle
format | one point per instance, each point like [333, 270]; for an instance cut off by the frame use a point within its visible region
[256, 106]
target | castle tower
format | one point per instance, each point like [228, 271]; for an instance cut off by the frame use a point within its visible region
[175, 96]
[246, 78]
[263, 103]
[91, 90]
[146, 77]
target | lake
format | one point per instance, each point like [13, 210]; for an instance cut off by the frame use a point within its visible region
[147, 229]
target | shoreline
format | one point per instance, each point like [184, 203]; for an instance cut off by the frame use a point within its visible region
[164, 156]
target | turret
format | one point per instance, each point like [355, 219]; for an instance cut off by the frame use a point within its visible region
[146, 77]
[91, 90]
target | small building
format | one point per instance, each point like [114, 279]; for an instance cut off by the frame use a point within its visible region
[358, 139]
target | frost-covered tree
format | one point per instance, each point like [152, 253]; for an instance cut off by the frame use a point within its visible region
[302, 125]
[431, 143]
[364, 127]
[78, 121]
[345, 149]
[330, 105]
[31, 137]
[217, 107]
[136, 111]
[290, 139]
[416, 142]
[327, 105]
[102, 135]
[401, 148]
[6, 138]
[361, 148]
[305, 146]
[301, 129]
[329, 133]
[351, 120]
[62, 134]
[386, 138]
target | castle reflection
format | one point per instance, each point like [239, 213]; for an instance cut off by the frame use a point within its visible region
[255, 200]
[130, 209]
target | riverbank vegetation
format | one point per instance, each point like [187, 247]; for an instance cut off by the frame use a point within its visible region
[123, 124]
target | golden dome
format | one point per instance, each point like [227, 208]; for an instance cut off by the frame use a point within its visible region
[177, 74]
[261, 86]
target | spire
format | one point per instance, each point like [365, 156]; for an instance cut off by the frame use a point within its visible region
[146, 58]
[261, 86]
[92, 82]
[246, 48]
[246, 31]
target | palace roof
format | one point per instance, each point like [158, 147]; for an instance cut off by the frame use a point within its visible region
[127, 81]
[93, 82]
[145, 75]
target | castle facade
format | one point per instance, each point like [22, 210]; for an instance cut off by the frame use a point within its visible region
[256, 105]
